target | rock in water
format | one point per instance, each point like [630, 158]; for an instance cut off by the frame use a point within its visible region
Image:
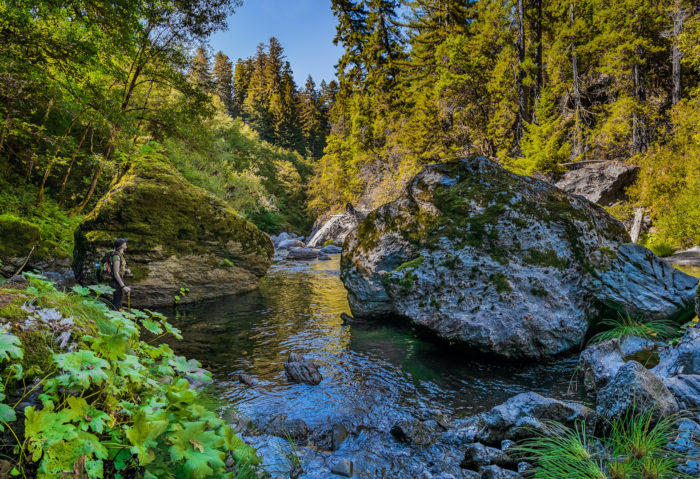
[179, 236]
[501, 263]
[602, 183]
[302, 370]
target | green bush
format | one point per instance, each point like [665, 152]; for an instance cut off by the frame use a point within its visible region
[115, 406]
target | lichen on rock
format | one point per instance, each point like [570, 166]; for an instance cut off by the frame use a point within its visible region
[179, 236]
[510, 265]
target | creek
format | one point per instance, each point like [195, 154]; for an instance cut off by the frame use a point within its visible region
[373, 372]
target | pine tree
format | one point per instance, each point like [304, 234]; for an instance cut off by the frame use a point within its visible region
[223, 80]
[199, 74]
[241, 81]
[257, 100]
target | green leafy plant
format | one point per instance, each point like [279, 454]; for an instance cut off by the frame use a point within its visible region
[636, 447]
[182, 293]
[116, 406]
[226, 262]
[625, 325]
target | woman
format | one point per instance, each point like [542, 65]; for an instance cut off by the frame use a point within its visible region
[118, 271]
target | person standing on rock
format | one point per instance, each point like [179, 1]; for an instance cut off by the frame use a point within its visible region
[118, 264]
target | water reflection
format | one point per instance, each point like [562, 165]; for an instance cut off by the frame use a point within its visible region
[366, 366]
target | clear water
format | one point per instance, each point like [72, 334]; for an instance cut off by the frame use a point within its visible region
[366, 366]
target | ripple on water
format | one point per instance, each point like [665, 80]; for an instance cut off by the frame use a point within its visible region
[371, 370]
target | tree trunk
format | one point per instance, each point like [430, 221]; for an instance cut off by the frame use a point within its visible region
[639, 136]
[538, 57]
[70, 166]
[577, 149]
[522, 100]
[40, 195]
[678, 16]
[93, 184]
[637, 224]
[30, 164]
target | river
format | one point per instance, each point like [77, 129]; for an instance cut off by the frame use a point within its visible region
[374, 372]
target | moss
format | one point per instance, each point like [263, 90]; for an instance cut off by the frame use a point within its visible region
[13, 312]
[17, 236]
[501, 283]
[539, 292]
[608, 251]
[414, 263]
[38, 355]
[545, 258]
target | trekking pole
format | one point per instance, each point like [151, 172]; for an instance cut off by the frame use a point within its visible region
[128, 301]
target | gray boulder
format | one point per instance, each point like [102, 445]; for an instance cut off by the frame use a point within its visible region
[686, 390]
[302, 370]
[336, 228]
[492, 261]
[643, 284]
[602, 183]
[684, 358]
[599, 362]
[635, 387]
[290, 243]
[527, 413]
[302, 253]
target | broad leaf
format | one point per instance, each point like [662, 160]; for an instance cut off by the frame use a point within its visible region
[10, 347]
[199, 448]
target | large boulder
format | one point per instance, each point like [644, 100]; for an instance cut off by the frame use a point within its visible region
[336, 228]
[501, 263]
[603, 183]
[179, 236]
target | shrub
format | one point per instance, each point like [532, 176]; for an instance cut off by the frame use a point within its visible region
[115, 405]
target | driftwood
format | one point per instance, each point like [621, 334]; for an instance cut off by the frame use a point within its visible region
[25, 262]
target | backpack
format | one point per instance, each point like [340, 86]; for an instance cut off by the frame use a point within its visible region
[104, 267]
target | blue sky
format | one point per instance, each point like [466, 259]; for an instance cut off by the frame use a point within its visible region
[305, 28]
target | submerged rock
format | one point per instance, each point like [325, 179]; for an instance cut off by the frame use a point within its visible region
[302, 370]
[303, 253]
[602, 183]
[501, 263]
[179, 236]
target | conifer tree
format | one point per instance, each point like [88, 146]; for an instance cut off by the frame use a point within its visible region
[223, 80]
[200, 74]
[241, 81]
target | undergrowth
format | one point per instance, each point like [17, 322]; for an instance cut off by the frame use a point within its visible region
[112, 405]
[55, 225]
[635, 447]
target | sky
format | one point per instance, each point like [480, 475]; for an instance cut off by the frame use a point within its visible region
[305, 28]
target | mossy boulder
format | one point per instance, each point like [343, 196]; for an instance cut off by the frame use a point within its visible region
[509, 265]
[179, 236]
